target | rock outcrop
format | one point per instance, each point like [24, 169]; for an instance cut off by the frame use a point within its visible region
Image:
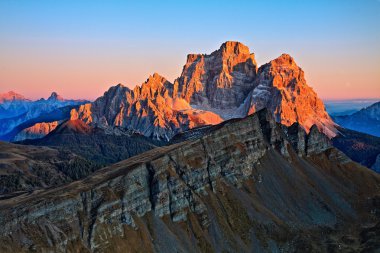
[221, 80]
[240, 187]
[281, 87]
[150, 109]
[223, 85]
[36, 131]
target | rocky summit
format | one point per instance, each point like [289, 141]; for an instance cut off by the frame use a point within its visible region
[150, 109]
[223, 85]
[220, 80]
[281, 87]
[244, 185]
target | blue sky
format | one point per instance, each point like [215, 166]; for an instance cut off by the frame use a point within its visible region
[67, 45]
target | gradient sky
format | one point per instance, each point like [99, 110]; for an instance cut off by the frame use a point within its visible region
[80, 48]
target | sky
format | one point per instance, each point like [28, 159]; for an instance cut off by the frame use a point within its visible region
[81, 48]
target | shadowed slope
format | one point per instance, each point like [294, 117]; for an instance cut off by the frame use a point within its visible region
[101, 146]
[245, 186]
[26, 168]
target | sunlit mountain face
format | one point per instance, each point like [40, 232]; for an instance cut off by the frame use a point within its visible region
[223, 85]
[189, 126]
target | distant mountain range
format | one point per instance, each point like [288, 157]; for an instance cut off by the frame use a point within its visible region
[343, 107]
[367, 120]
[18, 113]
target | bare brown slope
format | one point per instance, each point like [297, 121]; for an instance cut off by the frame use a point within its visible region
[103, 147]
[239, 188]
[27, 168]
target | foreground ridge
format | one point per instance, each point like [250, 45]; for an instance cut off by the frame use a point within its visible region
[247, 184]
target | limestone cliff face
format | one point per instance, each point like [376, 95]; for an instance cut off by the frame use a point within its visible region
[36, 131]
[220, 80]
[239, 187]
[150, 109]
[281, 87]
[212, 88]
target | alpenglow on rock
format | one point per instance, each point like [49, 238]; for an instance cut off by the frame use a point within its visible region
[281, 87]
[220, 80]
[150, 109]
[36, 131]
[223, 85]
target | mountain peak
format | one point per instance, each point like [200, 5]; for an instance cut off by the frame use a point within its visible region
[119, 85]
[155, 81]
[234, 47]
[281, 86]
[54, 96]
[117, 89]
[221, 79]
[10, 96]
[284, 60]
[214, 87]
[156, 77]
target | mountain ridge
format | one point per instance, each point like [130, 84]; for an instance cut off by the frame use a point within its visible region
[18, 113]
[211, 88]
[366, 120]
[261, 196]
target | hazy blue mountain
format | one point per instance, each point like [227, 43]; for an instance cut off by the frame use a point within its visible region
[347, 106]
[366, 120]
[17, 110]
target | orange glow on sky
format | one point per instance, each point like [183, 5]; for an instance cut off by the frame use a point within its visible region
[80, 50]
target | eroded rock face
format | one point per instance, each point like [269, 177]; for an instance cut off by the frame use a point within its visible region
[316, 142]
[221, 80]
[281, 87]
[36, 131]
[237, 187]
[212, 88]
[150, 109]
